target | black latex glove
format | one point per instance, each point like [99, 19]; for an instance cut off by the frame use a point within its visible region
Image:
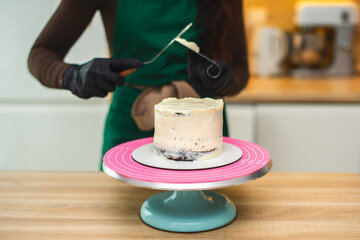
[202, 83]
[97, 77]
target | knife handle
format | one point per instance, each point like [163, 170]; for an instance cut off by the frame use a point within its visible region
[127, 72]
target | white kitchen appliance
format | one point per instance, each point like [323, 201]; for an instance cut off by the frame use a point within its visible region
[269, 50]
[320, 45]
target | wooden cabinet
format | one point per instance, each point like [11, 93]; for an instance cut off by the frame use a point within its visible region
[299, 137]
[241, 121]
[303, 137]
[51, 137]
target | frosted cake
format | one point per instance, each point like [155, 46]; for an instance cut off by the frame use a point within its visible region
[188, 129]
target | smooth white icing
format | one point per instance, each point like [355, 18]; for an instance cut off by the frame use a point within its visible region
[187, 105]
[189, 126]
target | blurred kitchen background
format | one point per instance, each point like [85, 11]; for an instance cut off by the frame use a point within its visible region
[302, 102]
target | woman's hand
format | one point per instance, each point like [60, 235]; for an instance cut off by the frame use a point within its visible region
[99, 76]
[202, 83]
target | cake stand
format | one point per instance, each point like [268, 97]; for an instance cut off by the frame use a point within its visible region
[187, 205]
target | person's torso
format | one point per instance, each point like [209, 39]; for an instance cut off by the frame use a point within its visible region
[144, 27]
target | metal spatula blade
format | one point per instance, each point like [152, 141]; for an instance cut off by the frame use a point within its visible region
[168, 45]
[214, 70]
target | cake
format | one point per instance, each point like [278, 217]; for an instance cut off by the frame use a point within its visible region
[188, 129]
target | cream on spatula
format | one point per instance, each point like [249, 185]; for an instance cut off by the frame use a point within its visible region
[193, 46]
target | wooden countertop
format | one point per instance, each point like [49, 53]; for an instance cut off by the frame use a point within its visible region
[56, 205]
[325, 90]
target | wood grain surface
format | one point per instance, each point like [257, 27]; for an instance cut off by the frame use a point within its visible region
[75, 205]
[325, 90]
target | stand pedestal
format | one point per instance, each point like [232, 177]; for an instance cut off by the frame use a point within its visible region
[188, 211]
[185, 208]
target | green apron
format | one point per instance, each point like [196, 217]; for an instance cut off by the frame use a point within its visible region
[142, 29]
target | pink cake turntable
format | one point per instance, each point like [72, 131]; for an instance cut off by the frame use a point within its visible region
[188, 206]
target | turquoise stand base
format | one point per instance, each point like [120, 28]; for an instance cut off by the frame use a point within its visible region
[188, 211]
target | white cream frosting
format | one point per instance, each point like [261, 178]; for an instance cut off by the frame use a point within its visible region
[187, 105]
[190, 45]
[189, 127]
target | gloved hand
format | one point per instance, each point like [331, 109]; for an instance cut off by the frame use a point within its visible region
[202, 83]
[98, 77]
